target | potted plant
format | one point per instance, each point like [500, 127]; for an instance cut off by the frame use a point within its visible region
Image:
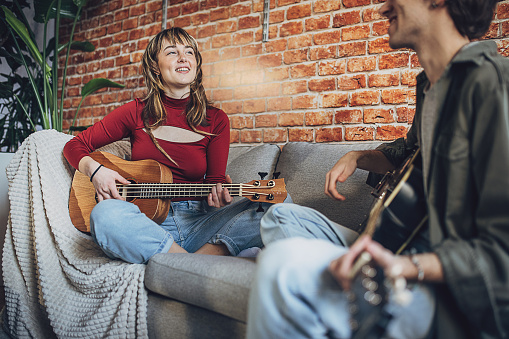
[32, 99]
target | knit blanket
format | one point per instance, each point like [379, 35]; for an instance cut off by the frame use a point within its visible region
[58, 282]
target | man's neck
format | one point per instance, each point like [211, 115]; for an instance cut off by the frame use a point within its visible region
[440, 47]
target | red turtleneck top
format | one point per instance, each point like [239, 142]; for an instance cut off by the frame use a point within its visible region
[203, 161]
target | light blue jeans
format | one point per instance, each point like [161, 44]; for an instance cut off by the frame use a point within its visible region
[295, 296]
[123, 232]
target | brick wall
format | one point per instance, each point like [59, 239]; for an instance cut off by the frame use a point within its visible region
[326, 74]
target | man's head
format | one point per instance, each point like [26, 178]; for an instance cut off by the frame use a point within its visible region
[472, 18]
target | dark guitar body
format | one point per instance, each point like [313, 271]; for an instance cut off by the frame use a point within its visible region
[403, 214]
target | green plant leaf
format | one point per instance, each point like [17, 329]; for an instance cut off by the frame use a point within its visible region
[22, 32]
[84, 46]
[97, 84]
[68, 10]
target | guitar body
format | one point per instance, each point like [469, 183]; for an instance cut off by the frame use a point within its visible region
[82, 198]
[151, 188]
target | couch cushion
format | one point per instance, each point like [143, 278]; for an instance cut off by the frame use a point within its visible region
[244, 162]
[304, 166]
[217, 283]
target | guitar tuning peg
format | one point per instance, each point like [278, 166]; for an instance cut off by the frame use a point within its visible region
[260, 208]
[262, 174]
[276, 175]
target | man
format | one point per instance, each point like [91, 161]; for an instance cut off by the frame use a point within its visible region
[460, 284]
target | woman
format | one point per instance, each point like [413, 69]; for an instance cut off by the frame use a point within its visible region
[176, 126]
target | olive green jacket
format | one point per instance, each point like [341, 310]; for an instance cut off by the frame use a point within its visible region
[468, 191]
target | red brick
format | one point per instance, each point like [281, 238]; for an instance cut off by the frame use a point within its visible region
[362, 64]
[351, 82]
[245, 64]
[371, 14]
[240, 9]
[279, 104]
[394, 60]
[244, 92]
[359, 133]
[294, 56]
[276, 45]
[334, 100]
[316, 23]
[319, 118]
[355, 33]
[200, 19]
[390, 132]
[270, 60]
[251, 136]
[348, 116]
[219, 14]
[303, 70]
[275, 135]
[298, 11]
[222, 94]
[384, 79]
[249, 22]
[322, 52]
[395, 96]
[320, 85]
[349, 49]
[291, 119]
[254, 106]
[304, 102]
[378, 115]
[221, 40]
[268, 90]
[326, 38]
[380, 28]
[300, 134]
[232, 107]
[266, 120]
[290, 28]
[329, 134]
[355, 3]
[242, 38]
[378, 46]
[286, 2]
[326, 5]
[332, 67]
[226, 26]
[276, 74]
[294, 87]
[363, 98]
[346, 19]
[254, 49]
[190, 7]
[276, 16]
[299, 41]
[240, 122]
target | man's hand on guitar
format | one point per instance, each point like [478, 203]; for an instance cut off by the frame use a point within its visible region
[343, 169]
[341, 268]
[220, 196]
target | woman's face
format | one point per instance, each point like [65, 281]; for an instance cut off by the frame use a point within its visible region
[178, 67]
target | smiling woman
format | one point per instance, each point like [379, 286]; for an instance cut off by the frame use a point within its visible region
[175, 125]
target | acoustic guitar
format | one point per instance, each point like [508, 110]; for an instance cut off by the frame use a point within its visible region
[396, 220]
[151, 189]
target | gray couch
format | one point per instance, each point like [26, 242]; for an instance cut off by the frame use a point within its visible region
[199, 296]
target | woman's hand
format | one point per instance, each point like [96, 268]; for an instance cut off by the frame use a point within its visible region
[105, 183]
[220, 196]
[104, 180]
[340, 268]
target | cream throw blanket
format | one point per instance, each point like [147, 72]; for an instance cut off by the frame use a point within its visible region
[58, 283]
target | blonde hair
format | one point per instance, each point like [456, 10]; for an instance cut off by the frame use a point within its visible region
[154, 114]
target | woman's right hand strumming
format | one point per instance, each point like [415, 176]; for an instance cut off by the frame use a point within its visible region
[104, 180]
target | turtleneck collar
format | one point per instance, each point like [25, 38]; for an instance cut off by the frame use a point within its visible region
[174, 103]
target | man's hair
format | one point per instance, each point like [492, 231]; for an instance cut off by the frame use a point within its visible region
[472, 18]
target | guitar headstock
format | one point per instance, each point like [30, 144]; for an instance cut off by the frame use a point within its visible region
[270, 191]
[369, 296]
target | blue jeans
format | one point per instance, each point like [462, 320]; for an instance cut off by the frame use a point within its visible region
[123, 232]
[295, 296]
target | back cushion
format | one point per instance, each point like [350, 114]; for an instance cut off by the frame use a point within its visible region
[304, 166]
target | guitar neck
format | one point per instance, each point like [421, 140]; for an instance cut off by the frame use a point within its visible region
[173, 190]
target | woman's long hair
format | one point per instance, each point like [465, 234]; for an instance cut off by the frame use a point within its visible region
[154, 114]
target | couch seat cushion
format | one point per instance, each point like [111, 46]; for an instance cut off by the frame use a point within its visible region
[217, 283]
